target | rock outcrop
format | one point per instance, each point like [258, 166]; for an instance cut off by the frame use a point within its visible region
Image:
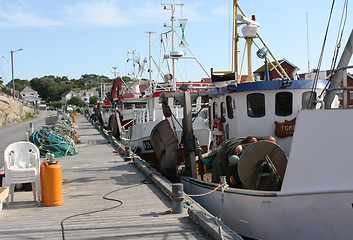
[12, 111]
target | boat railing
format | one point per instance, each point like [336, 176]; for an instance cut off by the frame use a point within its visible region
[142, 115]
[166, 86]
[155, 114]
[344, 87]
[128, 122]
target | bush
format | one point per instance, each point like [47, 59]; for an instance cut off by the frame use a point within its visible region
[93, 100]
[55, 104]
[76, 101]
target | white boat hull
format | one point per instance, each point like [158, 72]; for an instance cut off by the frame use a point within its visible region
[140, 135]
[316, 197]
[265, 215]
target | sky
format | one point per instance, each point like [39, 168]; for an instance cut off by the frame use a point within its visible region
[75, 37]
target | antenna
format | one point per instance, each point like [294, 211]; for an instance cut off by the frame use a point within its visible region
[307, 40]
[114, 71]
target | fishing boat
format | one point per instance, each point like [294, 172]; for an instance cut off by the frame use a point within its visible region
[136, 133]
[281, 165]
[118, 109]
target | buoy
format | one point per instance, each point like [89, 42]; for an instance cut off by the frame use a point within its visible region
[52, 187]
[74, 118]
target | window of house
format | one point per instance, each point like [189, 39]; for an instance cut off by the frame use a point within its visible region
[350, 94]
[229, 107]
[223, 112]
[256, 105]
[284, 104]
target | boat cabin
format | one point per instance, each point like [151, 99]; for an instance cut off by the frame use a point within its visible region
[261, 108]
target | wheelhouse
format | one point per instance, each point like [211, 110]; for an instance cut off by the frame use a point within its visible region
[262, 108]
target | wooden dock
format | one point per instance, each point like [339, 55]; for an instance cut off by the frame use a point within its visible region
[104, 197]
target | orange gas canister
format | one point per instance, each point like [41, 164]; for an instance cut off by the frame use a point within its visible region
[42, 179]
[52, 187]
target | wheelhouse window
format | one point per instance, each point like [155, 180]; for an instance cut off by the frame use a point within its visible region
[223, 112]
[229, 107]
[284, 104]
[308, 100]
[256, 105]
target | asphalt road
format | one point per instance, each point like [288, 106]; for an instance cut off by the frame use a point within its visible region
[17, 132]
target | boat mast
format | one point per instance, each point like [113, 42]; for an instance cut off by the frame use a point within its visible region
[340, 74]
[235, 39]
[150, 59]
[172, 8]
[133, 62]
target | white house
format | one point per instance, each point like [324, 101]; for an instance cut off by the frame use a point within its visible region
[66, 96]
[29, 95]
[85, 95]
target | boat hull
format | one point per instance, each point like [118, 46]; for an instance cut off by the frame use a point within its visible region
[266, 215]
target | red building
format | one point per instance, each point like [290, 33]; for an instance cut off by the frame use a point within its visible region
[349, 92]
[288, 67]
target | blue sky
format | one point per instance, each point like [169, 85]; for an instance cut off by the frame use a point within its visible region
[75, 37]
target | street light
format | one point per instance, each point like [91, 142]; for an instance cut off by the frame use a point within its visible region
[13, 78]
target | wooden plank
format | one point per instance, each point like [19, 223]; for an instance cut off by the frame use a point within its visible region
[95, 183]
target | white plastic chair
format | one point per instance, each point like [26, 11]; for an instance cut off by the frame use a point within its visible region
[22, 165]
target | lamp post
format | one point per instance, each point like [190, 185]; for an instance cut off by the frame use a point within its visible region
[13, 78]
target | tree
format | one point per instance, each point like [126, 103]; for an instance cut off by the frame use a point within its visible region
[93, 100]
[76, 101]
[19, 84]
[49, 87]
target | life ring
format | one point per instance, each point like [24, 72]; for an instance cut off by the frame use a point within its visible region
[218, 131]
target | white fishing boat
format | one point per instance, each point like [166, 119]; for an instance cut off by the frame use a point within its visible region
[137, 133]
[298, 187]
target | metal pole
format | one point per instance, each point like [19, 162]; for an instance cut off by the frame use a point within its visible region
[31, 128]
[13, 75]
[173, 47]
[13, 78]
[150, 60]
[177, 198]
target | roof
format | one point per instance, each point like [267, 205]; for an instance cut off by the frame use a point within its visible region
[269, 85]
[262, 68]
[27, 89]
[65, 93]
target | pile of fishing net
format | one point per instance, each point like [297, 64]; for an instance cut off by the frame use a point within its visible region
[50, 141]
[64, 128]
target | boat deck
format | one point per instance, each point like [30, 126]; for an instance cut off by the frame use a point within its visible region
[104, 197]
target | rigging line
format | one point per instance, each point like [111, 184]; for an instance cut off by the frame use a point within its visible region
[230, 33]
[340, 34]
[338, 42]
[324, 42]
[322, 50]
